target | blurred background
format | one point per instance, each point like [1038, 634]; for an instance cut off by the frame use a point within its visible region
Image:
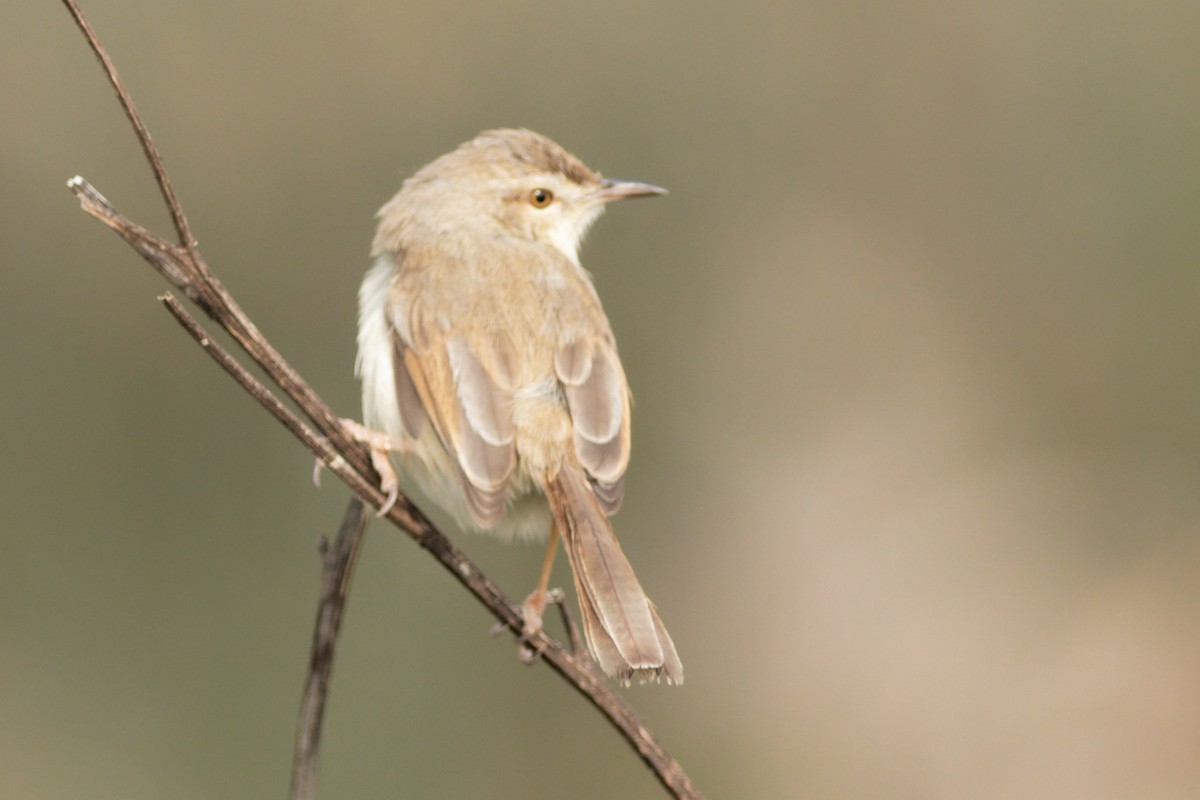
[913, 343]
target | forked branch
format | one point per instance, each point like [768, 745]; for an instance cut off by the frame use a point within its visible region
[181, 265]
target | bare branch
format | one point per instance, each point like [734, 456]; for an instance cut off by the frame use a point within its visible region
[183, 267]
[170, 261]
[194, 277]
[143, 134]
[337, 567]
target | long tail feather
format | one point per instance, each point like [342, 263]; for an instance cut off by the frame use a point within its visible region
[621, 625]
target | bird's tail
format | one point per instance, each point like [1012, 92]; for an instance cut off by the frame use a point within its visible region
[621, 625]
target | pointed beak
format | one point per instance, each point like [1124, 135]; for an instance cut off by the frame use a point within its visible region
[622, 190]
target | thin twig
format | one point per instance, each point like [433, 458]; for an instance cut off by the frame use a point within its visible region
[559, 598]
[199, 283]
[186, 240]
[337, 567]
[183, 267]
[170, 261]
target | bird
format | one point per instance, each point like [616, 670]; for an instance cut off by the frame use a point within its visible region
[490, 371]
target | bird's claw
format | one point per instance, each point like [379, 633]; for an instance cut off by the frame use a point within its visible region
[318, 464]
[391, 493]
[379, 445]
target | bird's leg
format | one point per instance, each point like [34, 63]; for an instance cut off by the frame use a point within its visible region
[535, 604]
[379, 444]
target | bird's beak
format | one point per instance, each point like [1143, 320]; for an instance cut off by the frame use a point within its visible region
[611, 189]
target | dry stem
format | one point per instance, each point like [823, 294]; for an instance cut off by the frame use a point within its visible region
[184, 269]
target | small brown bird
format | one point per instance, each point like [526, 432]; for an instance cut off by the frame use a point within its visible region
[490, 368]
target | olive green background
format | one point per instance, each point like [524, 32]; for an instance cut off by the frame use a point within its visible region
[914, 348]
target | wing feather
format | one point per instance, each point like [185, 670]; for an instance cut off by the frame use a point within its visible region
[598, 399]
[472, 415]
[412, 410]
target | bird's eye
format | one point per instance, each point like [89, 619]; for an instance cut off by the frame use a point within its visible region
[540, 198]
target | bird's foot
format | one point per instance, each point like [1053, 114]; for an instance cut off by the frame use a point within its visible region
[529, 646]
[378, 444]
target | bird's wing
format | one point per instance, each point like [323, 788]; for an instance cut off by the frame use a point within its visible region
[442, 380]
[598, 398]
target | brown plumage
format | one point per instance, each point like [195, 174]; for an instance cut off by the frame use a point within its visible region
[484, 348]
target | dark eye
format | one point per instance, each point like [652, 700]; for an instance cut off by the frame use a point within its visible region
[540, 198]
